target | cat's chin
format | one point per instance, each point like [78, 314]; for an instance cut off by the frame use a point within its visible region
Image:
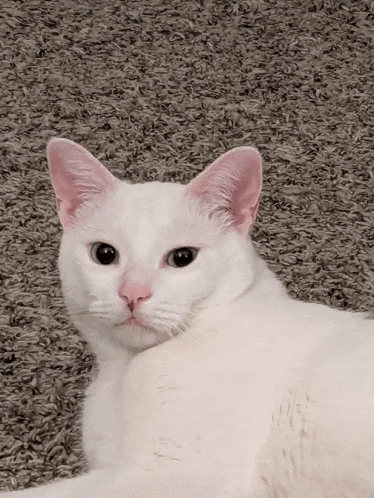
[134, 335]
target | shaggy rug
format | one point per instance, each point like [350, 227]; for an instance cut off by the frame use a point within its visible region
[157, 90]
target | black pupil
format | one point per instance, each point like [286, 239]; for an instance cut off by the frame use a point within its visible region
[105, 254]
[182, 257]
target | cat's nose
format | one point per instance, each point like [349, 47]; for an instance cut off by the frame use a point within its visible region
[134, 293]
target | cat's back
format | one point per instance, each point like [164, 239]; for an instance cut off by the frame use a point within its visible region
[321, 441]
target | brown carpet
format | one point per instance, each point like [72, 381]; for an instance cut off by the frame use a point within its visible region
[157, 90]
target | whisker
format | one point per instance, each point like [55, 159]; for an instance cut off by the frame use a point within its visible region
[165, 328]
[96, 314]
[167, 314]
[163, 305]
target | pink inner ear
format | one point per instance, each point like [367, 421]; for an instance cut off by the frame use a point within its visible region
[76, 177]
[232, 184]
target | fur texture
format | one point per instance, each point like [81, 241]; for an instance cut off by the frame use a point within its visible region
[212, 381]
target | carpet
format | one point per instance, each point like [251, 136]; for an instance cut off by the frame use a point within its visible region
[157, 90]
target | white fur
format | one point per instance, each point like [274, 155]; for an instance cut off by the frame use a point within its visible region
[144, 222]
[255, 395]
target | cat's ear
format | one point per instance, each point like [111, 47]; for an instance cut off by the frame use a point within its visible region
[77, 177]
[232, 186]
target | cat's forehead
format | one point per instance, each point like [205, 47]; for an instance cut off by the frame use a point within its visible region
[149, 214]
[150, 200]
[152, 204]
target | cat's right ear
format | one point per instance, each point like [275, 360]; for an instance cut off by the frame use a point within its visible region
[77, 177]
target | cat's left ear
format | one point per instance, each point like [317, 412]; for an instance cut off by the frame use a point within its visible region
[77, 177]
[232, 186]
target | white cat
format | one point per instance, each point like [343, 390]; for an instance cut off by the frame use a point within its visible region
[212, 383]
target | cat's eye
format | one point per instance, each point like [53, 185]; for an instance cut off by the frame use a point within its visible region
[104, 254]
[182, 256]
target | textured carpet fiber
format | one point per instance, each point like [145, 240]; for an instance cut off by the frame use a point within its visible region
[157, 90]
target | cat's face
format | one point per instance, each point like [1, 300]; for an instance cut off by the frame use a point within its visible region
[137, 261]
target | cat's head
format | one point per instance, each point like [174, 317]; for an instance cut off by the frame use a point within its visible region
[138, 260]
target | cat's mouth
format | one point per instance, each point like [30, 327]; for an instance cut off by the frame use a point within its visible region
[136, 325]
[131, 321]
[138, 335]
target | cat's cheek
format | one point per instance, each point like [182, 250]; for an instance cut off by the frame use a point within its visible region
[190, 284]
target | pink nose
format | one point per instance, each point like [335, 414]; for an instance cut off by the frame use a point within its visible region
[134, 293]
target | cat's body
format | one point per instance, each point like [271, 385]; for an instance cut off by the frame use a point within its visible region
[213, 382]
[212, 413]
